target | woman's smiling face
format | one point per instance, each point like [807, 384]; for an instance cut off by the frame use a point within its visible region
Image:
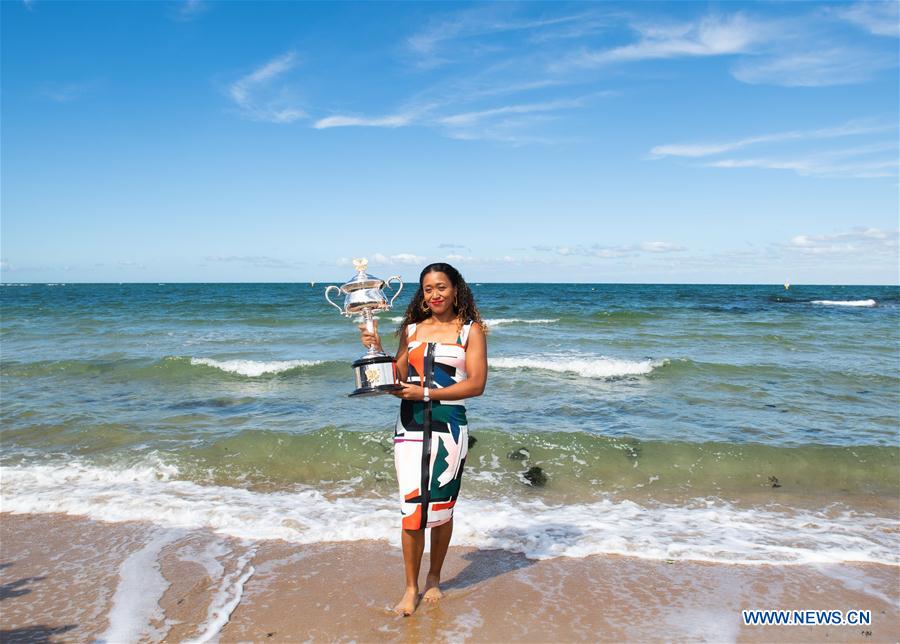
[439, 292]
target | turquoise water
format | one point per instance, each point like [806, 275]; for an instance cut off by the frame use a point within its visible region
[627, 393]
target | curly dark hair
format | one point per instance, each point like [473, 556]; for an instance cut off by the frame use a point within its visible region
[465, 307]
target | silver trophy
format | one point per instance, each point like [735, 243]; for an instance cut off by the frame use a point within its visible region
[376, 372]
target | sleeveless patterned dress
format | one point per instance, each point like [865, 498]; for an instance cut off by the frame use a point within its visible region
[431, 439]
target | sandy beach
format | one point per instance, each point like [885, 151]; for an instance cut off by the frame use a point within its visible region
[78, 580]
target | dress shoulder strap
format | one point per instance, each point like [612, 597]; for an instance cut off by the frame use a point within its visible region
[464, 334]
[410, 331]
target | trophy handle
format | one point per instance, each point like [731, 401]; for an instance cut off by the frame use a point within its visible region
[399, 288]
[327, 290]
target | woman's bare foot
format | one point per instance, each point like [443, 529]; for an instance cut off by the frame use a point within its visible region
[432, 591]
[407, 605]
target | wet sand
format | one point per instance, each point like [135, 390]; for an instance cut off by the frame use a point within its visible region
[76, 580]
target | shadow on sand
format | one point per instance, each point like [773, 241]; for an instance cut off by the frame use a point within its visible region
[17, 588]
[39, 634]
[34, 634]
[485, 564]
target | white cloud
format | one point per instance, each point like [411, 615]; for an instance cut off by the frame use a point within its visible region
[851, 128]
[814, 67]
[396, 120]
[258, 98]
[785, 51]
[499, 50]
[507, 124]
[428, 46]
[469, 118]
[661, 247]
[710, 36]
[868, 160]
[514, 131]
[388, 260]
[411, 259]
[613, 252]
[188, 10]
[399, 258]
[257, 261]
[881, 18]
[859, 241]
[497, 260]
[66, 92]
[128, 263]
[817, 166]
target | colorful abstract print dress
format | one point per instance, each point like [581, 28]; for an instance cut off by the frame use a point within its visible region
[431, 439]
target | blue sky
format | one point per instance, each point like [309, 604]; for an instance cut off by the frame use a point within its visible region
[601, 142]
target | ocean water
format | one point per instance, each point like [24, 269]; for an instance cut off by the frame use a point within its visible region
[746, 424]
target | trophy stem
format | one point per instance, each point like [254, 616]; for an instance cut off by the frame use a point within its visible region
[370, 327]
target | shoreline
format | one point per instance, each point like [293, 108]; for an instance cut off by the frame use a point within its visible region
[75, 579]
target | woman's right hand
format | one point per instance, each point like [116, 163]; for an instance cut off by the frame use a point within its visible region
[369, 338]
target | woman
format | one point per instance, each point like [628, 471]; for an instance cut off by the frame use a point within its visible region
[442, 360]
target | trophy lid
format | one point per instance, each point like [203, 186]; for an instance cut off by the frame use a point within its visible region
[362, 279]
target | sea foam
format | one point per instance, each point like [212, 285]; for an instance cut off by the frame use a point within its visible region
[254, 368]
[135, 604]
[846, 302]
[705, 529]
[599, 367]
[492, 322]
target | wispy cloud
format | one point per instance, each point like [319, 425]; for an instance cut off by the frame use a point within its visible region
[256, 261]
[128, 263]
[613, 252]
[864, 161]
[388, 260]
[881, 18]
[438, 43]
[661, 247]
[588, 24]
[469, 118]
[851, 128]
[712, 35]
[817, 166]
[66, 92]
[500, 50]
[258, 96]
[188, 10]
[496, 260]
[534, 58]
[505, 123]
[778, 51]
[518, 131]
[860, 241]
[412, 259]
[814, 67]
[391, 121]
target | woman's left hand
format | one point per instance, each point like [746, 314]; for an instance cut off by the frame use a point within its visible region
[410, 392]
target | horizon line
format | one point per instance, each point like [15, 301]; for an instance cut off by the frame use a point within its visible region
[317, 282]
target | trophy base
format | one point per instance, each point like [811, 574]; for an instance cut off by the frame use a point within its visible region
[375, 391]
[375, 374]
